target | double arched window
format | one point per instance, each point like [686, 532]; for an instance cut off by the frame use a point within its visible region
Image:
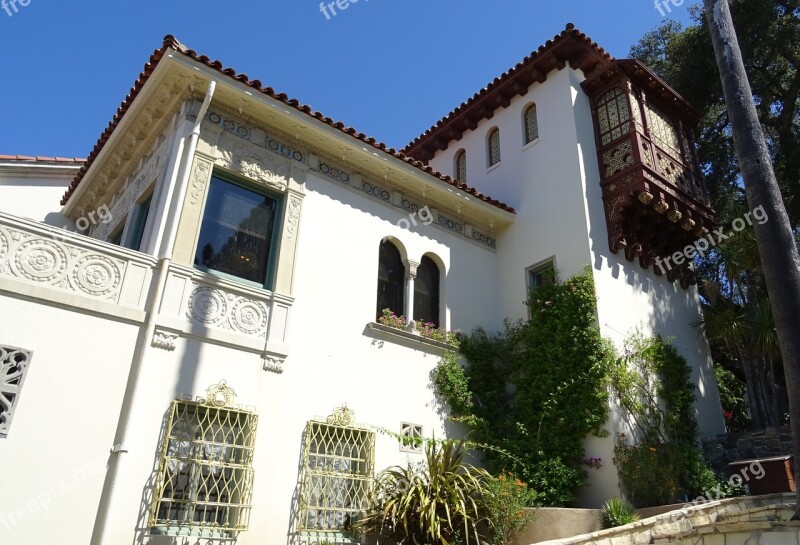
[531, 124]
[391, 279]
[493, 143]
[426, 292]
[394, 284]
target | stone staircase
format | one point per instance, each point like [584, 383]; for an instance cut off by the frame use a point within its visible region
[759, 520]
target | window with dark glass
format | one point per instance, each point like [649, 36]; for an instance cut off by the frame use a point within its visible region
[426, 292]
[541, 275]
[494, 147]
[461, 166]
[531, 124]
[236, 235]
[391, 279]
[139, 221]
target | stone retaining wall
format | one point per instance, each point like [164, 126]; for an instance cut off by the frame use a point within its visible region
[719, 451]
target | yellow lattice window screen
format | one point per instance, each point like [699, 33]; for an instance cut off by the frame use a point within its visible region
[338, 464]
[205, 475]
[613, 115]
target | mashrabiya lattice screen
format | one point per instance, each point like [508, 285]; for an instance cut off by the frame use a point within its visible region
[338, 466]
[13, 368]
[205, 475]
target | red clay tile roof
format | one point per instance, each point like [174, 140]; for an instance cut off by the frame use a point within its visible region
[570, 45]
[42, 159]
[170, 42]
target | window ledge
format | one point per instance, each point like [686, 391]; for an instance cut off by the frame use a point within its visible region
[530, 144]
[494, 166]
[406, 338]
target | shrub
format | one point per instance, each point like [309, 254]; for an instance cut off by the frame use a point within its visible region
[536, 389]
[506, 500]
[432, 505]
[617, 512]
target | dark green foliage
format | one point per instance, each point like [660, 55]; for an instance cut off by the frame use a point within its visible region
[537, 389]
[617, 512]
[731, 393]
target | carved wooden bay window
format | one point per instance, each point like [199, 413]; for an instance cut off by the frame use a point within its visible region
[656, 202]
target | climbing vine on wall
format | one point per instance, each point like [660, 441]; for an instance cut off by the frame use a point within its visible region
[536, 389]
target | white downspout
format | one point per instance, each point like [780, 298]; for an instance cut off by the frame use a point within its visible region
[180, 178]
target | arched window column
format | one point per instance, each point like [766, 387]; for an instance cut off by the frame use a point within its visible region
[412, 276]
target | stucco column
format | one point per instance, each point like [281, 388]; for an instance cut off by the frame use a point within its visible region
[412, 275]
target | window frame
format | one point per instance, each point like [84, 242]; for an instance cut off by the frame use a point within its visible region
[137, 221]
[494, 131]
[212, 412]
[526, 141]
[277, 227]
[436, 295]
[312, 481]
[457, 158]
[401, 289]
[538, 268]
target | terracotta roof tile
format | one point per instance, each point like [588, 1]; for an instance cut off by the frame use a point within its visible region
[42, 159]
[170, 42]
[570, 45]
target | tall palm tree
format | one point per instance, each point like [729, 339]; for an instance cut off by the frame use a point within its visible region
[776, 241]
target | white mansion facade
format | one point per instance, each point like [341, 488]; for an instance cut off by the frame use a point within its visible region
[197, 354]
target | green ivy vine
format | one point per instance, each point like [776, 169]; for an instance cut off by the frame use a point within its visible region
[536, 389]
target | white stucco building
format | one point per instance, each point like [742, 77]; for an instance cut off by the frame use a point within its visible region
[223, 238]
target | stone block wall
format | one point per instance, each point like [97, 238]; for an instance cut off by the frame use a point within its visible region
[719, 451]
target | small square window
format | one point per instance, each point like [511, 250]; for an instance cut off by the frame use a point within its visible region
[410, 437]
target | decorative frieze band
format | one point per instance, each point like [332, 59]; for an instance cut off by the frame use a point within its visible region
[259, 137]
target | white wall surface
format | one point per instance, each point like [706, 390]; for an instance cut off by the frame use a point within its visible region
[34, 196]
[55, 454]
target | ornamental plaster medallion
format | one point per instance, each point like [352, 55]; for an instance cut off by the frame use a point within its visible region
[207, 305]
[96, 275]
[40, 260]
[249, 317]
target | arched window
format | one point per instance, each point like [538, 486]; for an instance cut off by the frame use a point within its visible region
[494, 146]
[531, 124]
[461, 166]
[426, 292]
[391, 279]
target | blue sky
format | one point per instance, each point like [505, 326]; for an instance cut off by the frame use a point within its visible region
[389, 68]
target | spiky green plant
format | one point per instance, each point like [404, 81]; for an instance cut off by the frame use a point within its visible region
[617, 512]
[435, 504]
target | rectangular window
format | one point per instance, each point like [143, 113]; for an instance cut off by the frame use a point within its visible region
[541, 275]
[13, 368]
[337, 471]
[205, 475]
[237, 232]
[138, 222]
